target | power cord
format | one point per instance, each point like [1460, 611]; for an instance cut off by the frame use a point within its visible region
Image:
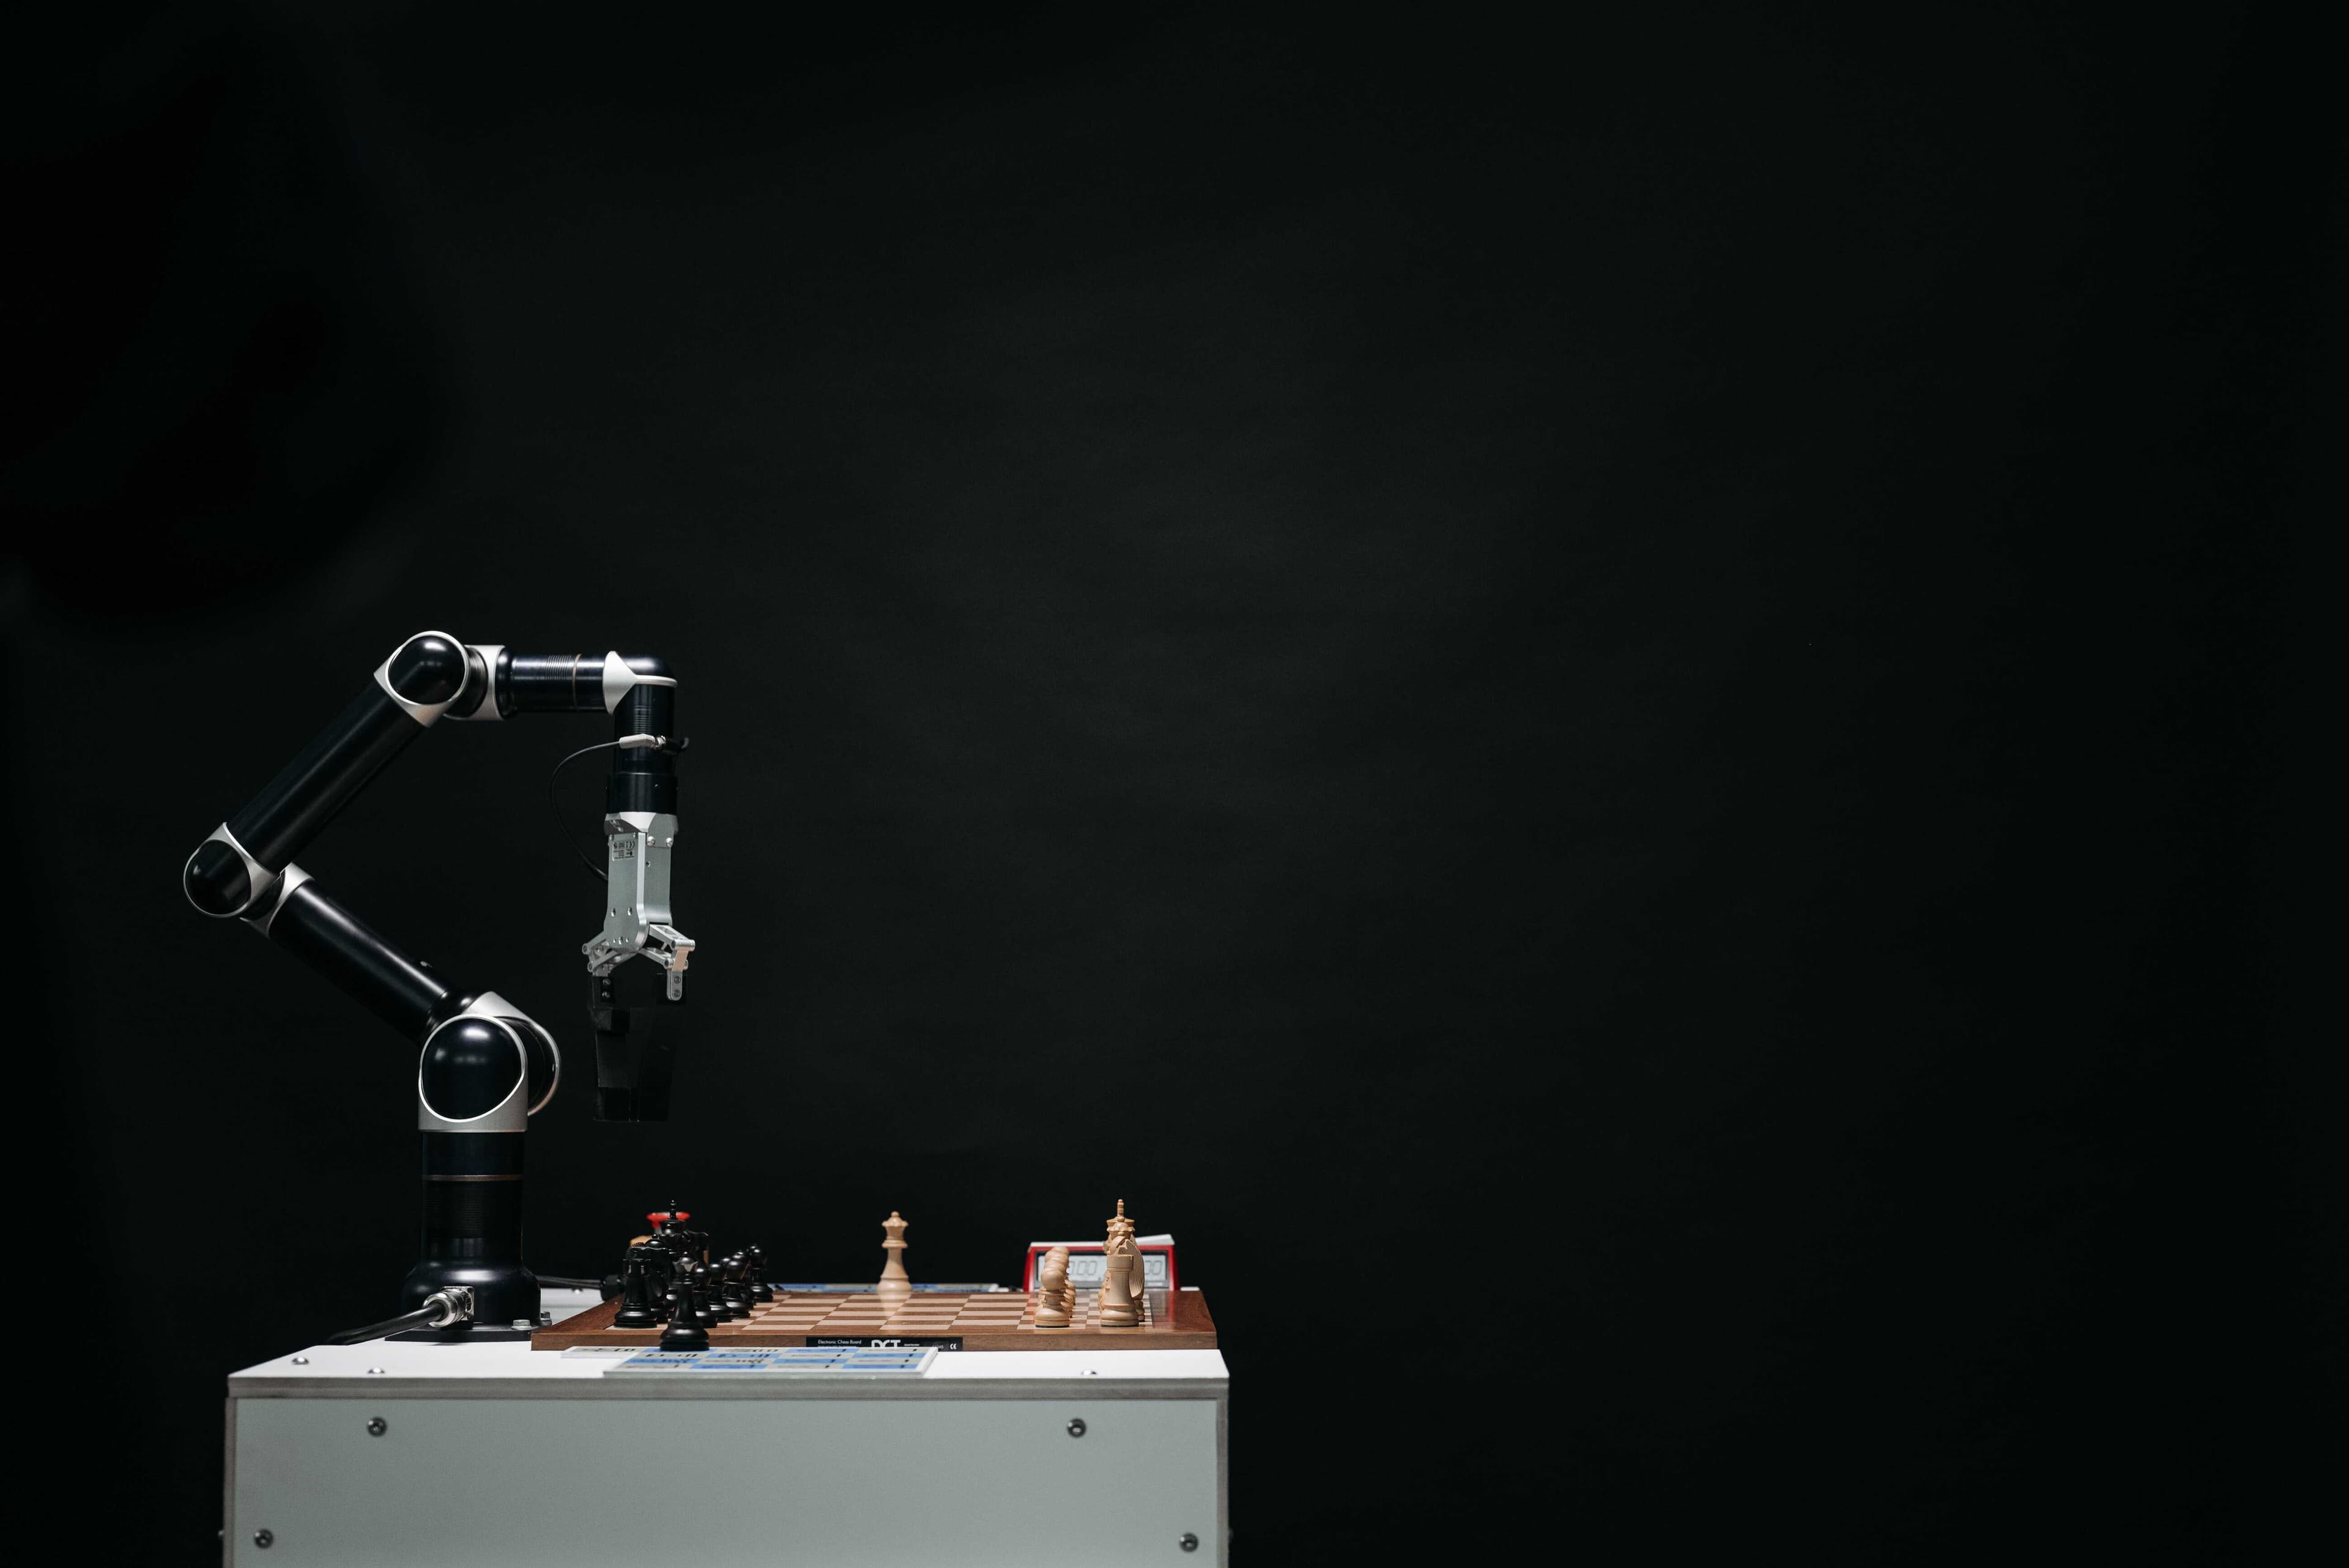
[449, 1307]
[555, 806]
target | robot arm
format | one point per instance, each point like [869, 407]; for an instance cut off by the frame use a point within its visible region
[485, 1066]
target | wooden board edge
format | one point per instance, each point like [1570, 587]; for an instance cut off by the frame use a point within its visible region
[1192, 1328]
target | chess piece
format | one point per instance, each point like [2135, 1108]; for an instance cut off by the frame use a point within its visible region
[1119, 1262]
[1116, 1294]
[1135, 1278]
[895, 1285]
[1053, 1289]
[736, 1290]
[684, 1333]
[760, 1291]
[697, 1291]
[711, 1287]
[1141, 1278]
[637, 1301]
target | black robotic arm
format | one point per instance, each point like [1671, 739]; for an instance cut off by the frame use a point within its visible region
[486, 1066]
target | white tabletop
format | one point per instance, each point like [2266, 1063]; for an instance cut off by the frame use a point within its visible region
[421, 1368]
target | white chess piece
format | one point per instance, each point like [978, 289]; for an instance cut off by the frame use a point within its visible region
[1119, 1261]
[895, 1285]
[1053, 1291]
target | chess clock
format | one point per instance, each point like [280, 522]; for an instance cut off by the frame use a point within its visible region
[1086, 1263]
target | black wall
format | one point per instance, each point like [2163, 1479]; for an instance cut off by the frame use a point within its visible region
[1623, 715]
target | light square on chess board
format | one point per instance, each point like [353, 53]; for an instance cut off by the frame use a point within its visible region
[978, 1320]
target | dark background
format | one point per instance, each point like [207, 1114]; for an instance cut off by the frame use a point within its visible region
[1627, 710]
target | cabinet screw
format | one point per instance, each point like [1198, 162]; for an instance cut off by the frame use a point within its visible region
[375, 1427]
[264, 1539]
[1189, 1542]
[1077, 1428]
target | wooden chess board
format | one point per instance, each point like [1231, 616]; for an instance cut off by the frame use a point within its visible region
[1000, 1320]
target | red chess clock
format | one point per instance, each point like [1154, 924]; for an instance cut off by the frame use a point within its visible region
[1086, 1264]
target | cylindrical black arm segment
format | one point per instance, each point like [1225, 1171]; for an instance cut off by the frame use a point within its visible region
[644, 778]
[318, 784]
[550, 683]
[425, 672]
[472, 1225]
[339, 944]
[564, 682]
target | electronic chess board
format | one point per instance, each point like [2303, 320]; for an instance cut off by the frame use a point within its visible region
[951, 1319]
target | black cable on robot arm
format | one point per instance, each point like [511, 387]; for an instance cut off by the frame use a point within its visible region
[556, 806]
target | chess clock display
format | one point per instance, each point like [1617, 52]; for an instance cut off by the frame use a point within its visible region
[1088, 1261]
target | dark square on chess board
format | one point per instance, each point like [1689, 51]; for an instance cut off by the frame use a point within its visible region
[978, 1320]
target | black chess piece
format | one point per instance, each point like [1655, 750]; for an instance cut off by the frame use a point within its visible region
[697, 1290]
[670, 1232]
[735, 1290]
[684, 1333]
[637, 1301]
[760, 1291]
[659, 1279]
[718, 1308]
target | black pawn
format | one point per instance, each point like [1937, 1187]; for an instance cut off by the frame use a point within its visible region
[637, 1301]
[737, 1288]
[716, 1297]
[697, 1290]
[684, 1333]
[760, 1291]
